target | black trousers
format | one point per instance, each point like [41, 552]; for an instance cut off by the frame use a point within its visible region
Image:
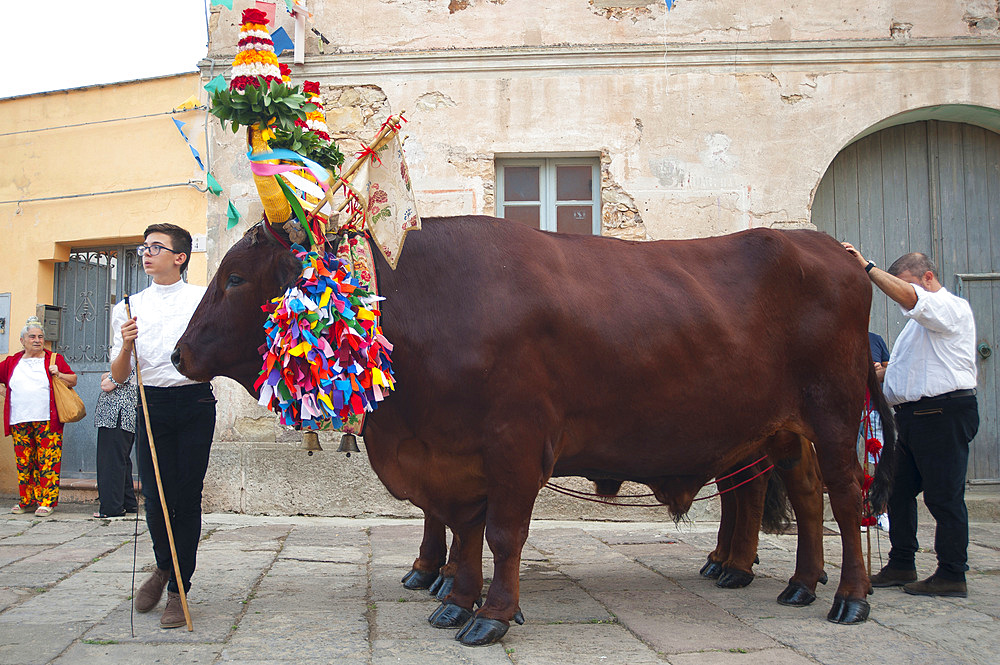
[934, 436]
[183, 423]
[114, 470]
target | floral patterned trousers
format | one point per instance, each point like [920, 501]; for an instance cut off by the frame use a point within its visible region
[38, 452]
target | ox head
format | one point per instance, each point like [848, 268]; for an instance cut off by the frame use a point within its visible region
[226, 330]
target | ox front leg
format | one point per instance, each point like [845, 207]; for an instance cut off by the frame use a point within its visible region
[843, 482]
[506, 531]
[433, 547]
[456, 608]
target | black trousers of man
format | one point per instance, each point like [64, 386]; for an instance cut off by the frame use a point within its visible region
[115, 490]
[934, 436]
[183, 423]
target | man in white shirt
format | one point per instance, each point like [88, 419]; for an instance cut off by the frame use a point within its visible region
[931, 383]
[181, 412]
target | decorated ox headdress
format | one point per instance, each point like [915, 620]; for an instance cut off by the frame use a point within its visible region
[325, 362]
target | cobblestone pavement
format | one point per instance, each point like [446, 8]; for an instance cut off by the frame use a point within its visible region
[274, 590]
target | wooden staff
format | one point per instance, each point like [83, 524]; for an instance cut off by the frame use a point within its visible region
[159, 481]
[384, 134]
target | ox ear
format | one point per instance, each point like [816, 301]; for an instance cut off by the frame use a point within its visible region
[287, 269]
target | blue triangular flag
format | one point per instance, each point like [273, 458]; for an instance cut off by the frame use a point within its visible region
[180, 127]
[197, 157]
[670, 4]
[282, 41]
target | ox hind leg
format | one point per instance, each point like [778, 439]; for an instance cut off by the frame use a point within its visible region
[838, 462]
[799, 472]
[431, 557]
[742, 510]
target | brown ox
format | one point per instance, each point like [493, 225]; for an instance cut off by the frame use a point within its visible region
[522, 355]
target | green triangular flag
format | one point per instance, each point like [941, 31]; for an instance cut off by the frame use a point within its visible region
[234, 216]
[216, 84]
[228, 4]
[213, 185]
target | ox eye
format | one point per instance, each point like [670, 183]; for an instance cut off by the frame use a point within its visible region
[234, 280]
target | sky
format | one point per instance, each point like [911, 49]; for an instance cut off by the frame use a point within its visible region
[60, 44]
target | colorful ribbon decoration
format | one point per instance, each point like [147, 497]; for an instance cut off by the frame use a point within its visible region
[325, 358]
[320, 173]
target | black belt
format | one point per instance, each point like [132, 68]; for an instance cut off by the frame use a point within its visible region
[926, 401]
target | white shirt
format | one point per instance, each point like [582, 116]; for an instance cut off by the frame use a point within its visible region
[29, 386]
[162, 314]
[936, 352]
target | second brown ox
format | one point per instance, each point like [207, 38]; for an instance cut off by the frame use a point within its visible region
[521, 355]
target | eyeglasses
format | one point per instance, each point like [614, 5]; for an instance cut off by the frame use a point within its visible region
[153, 250]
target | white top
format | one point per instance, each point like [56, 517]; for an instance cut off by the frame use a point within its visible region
[162, 314]
[936, 352]
[29, 388]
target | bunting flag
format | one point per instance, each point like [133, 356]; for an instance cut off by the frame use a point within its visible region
[282, 42]
[180, 128]
[188, 104]
[233, 216]
[228, 4]
[670, 4]
[325, 360]
[267, 8]
[213, 184]
[216, 84]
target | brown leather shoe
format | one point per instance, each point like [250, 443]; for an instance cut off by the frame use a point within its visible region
[151, 591]
[893, 577]
[173, 613]
[936, 586]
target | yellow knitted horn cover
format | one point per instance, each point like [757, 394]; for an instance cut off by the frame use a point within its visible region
[276, 207]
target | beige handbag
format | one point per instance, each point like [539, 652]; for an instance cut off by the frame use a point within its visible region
[69, 406]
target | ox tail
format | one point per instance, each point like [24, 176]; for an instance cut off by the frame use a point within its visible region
[881, 488]
[777, 515]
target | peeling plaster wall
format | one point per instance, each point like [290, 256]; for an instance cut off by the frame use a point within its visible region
[708, 119]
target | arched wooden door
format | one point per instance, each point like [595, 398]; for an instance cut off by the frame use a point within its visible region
[929, 186]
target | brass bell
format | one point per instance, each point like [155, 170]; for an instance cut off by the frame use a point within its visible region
[348, 444]
[310, 442]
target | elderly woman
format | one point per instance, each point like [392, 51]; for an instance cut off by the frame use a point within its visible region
[29, 416]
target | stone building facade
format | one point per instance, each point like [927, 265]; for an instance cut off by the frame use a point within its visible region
[701, 119]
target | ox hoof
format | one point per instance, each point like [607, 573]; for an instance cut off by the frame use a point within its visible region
[823, 579]
[449, 615]
[796, 594]
[479, 632]
[711, 570]
[418, 579]
[733, 579]
[442, 587]
[848, 611]
[519, 618]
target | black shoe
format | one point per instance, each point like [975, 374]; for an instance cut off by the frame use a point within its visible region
[893, 577]
[103, 516]
[936, 586]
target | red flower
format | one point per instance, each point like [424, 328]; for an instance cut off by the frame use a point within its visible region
[254, 16]
[285, 69]
[310, 86]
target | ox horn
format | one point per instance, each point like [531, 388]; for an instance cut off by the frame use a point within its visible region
[348, 444]
[310, 442]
